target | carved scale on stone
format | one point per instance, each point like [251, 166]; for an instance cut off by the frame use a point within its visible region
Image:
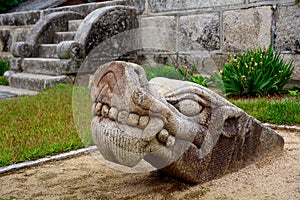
[179, 127]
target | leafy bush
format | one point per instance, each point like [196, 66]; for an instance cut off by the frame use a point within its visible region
[162, 71]
[258, 72]
[4, 66]
[190, 75]
[3, 81]
[8, 5]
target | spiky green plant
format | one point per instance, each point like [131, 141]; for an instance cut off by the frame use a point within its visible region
[258, 72]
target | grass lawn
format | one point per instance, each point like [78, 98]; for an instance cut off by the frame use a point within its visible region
[272, 110]
[37, 126]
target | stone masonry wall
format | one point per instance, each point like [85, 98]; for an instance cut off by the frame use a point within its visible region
[204, 31]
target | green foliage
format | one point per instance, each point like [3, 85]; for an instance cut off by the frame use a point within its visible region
[6, 5]
[200, 80]
[190, 75]
[259, 72]
[3, 81]
[293, 93]
[4, 66]
[275, 111]
[215, 81]
[37, 126]
[162, 71]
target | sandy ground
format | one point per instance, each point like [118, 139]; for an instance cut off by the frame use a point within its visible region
[84, 177]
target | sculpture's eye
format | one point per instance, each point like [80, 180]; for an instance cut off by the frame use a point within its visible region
[189, 108]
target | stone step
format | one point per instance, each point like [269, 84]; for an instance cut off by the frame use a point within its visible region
[64, 36]
[36, 82]
[48, 51]
[74, 24]
[8, 92]
[47, 66]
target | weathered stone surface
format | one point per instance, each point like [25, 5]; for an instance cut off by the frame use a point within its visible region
[202, 32]
[43, 33]
[16, 91]
[85, 9]
[15, 64]
[64, 36]
[288, 29]
[21, 34]
[5, 40]
[45, 66]
[20, 19]
[11, 34]
[204, 63]
[158, 31]
[74, 25]
[156, 59]
[296, 62]
[138, 4]
[23, 49]
[254, 1]
[36, 82]
[44, 30]
[104, 23]
[70, 49]
[48, 51]
[171, 5]
[135, 119]
[248, 28]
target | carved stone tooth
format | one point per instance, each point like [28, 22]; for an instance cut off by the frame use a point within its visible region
[144, 120]
[122, 117]
[97, 109]
[163, 135]
[170, 141]
[113, 113]
[133, 119]
[104, 111]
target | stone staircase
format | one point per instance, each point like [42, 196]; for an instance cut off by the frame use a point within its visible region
[55, 48]
[40, 72]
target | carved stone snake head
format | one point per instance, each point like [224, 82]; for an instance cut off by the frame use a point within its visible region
[182, 128]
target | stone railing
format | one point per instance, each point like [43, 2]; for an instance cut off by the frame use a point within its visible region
[15, 27]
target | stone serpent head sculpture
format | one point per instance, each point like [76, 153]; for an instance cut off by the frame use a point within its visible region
[179, 127]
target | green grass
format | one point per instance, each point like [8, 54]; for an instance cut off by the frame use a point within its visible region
[276, 111]
[37, 126]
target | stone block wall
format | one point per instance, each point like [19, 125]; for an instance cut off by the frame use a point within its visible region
[202, 32]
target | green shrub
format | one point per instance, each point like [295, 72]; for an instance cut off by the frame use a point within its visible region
[162, 71]
[189, 75]
[258, 72]
[3, 81]
[8, 5]
[4, 66]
